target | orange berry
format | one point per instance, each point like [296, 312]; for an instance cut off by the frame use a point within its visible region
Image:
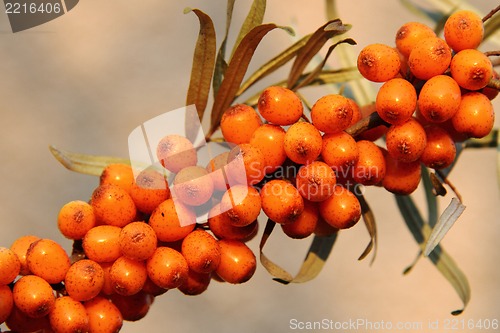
[172, 222]
[68, 315]
[196, 283]
[167, 268]
[369, 169]
[241, 204]
[11, 266]
[281, 201]
[103, 315]
[84, 280]
[315, 181]
[113, 205]
[18, 321]
[6, 302]
[331, 113]
[238, 263]
[107, 287]
[430, 57]
[463, 30]
[410, 34]
[48, 260]
[339, 151]
[201, 251]
[221, 226]
[34, 296]
[475, 116]
[305, 224]
[302, 143]
[280, 105]
[400, 177]
[439, 99]
[151, 288]
[75, 219]
[20, 248]
[137, 241]
[217, 167]
[471, 69]
[324, 229]
[406, 142]
[149, 190]
[102, 244]
[176, 152]
[118, 174]
[356, 112]
[396, 101]
[133, 307]
[128, 276]
[270, 139]
[378, 62]
[341, 210]
[440, 150]
[238, 123]
[193, 186]
[246, 164]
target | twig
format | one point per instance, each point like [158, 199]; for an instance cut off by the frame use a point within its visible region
[366, 123]
[450, 184]
[491, 13]
[494, 84]
[492, 53]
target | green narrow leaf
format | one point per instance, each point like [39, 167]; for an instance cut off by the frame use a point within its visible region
[83, 163]
[369, 219]
[254, 18]
[313, 46]
[220, 62]
[316, 257]
[236, 71]
[443, 262]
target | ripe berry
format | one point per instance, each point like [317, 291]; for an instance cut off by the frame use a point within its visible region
[193, 186]
[6, 302]
[102, 244]
[10, 264]
[315, 181]
[222, 227]
[331, 113]
[280, 106]
[84, 280]
[246, 165]
[149, 190]
[440, 150]
[378, 62]
[406, 142]
[48, 260]
[242, 204]
[128, 276]
[430, 57]
[324, 229]
[410, 34]
[369, 169]
[302, 143]
[471, 69]
[341, 210]
[475, 116]
[75, 219]
[113, 205]
[20, 248]
[201, 251]
[281, 201]
[118, 174]
[176, 152]
[218, 169]
[439, 99]
[339, 151]
[305, 224]
[69, 315]
[400, 177]
[396, 101]
[18, 321]
[137, 241]
[34, 296]
[133, 307]
[167, 268]
[463, 30]
[238, 263]
[195, 284]
[238, 123]
[103, 315]
[172, 222]
[270, 139]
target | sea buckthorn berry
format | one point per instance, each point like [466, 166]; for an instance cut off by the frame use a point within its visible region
[396, 101]
[118, 174]
[280, 106]
[103, 315]
[238, 263]
[440, 150]
[238, 123]
[107, 287]
[193, 186]
[302, 143]
[331, 113]
[374, 133]
[475, 116]
[102, 243]
[201, 251]
[222, 227]
[246, 164]
[172, 222]
[196, 283]
[281, 201]
[176, 152]
[11, 266]
[18, 321]
[128, 276]
[430, 57]
[84, 280]
[75, 219]
[356, 112]
[370, 166]
[48, 260]
[20, 248]
[6, 302]
[305, 224]
[378, 62]
[472, 69]
[341, 210]
[410, 34]
[151, 288]
[339, 151]
[149, 190]
[315, 181]
[270, 139]
[217, 167]
[439, 99]
[133, 307]
[167, 268]
[138, 241]
[400, 177]
[113, 205]
[34, 296]
[324, 229]
[242, 204]
[68, 315]
[406, 142]
[463, 30]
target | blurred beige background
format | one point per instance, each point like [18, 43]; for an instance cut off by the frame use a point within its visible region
[85, 80]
